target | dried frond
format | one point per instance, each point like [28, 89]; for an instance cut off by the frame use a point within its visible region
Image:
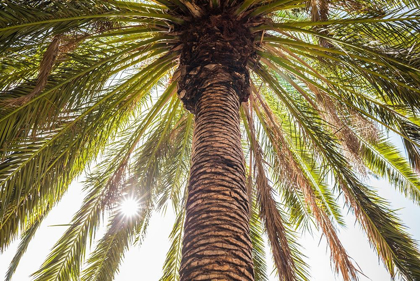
[46, 66]
[351, 144]
[270, 214]
[339, 255]
[366, 128]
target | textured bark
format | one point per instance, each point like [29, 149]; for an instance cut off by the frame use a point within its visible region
[216, 244]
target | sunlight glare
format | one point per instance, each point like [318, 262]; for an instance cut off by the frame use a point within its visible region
[129, 207]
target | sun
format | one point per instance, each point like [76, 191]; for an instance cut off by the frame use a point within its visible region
[129, 207]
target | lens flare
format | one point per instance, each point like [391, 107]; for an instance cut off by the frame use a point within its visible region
[129, 207]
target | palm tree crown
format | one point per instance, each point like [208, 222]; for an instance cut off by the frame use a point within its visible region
[119, 86]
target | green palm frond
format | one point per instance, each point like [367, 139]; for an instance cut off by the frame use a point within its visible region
[104, 261]
[56, 151]
[389, 115]
[386, 161]
[103, 187]
[173, 257]
[26, 238]
[292, 164]
[258, 246]
[369, 210]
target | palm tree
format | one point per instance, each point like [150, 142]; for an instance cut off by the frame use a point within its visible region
[249, 117]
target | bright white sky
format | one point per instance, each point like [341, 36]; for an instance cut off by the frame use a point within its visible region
[145, 262]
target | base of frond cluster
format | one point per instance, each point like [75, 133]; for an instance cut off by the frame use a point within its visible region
[217, 46]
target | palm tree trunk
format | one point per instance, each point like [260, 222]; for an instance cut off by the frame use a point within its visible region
[216, 244]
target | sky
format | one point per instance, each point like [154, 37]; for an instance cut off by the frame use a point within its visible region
[145, 261]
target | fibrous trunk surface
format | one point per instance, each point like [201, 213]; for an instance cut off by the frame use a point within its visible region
[216, 241]
[214, 81]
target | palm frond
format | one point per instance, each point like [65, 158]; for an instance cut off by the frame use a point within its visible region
[370, 107]
[26, 238]
[385, 160]
[258, 245]
[289, 265]
[173, 257]
[382, 228]
[306, 184]
[58, 148]
[68, 253]
[297, 162]
[104, 261]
